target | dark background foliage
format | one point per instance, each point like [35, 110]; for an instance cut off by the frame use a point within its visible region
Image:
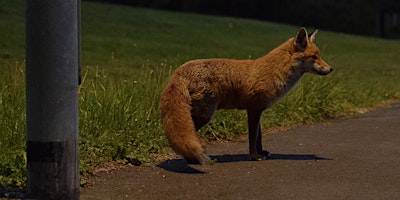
[364, 17]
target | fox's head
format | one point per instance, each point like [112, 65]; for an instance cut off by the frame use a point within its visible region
[307, 54]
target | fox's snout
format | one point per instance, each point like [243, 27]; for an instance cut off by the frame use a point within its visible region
[322, 70]
[330, 69]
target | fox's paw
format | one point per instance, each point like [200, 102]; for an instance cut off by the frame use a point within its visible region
[260, 156]
[205, 160]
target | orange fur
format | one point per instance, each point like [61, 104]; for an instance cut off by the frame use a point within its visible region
[199, 87]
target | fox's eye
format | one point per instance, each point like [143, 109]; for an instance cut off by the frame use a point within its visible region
[314, 57]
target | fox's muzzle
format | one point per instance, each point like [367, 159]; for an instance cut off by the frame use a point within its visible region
[325, 72]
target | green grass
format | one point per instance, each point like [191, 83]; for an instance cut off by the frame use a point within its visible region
[128, 55]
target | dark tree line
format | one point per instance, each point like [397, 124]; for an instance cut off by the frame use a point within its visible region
[366, 17]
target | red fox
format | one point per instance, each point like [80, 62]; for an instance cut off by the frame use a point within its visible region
[199, 87]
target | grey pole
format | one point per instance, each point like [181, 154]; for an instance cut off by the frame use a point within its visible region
[52, 62]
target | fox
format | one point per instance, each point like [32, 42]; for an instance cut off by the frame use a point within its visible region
[198, 88]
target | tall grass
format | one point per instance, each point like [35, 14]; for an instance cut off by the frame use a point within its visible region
[119, 117]
[12, 125]
[129, 54]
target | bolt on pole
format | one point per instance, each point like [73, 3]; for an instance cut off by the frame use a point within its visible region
[52, 68]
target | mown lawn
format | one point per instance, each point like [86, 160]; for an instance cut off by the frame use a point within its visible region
[127, 57]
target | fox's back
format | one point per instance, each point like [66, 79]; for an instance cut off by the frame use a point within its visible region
[228, 83]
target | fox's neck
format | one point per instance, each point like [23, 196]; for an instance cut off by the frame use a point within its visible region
[279, 66]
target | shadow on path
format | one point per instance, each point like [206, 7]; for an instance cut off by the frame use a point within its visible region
[178, 166]
[246, 157]
[181, 166]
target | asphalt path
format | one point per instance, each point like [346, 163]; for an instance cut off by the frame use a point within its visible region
[347, 158]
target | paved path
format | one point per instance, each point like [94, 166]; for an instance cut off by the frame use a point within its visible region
[356, 158]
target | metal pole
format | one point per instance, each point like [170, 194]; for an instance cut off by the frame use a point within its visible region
[52, 62]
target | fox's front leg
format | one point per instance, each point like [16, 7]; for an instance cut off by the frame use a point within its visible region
[255, 144]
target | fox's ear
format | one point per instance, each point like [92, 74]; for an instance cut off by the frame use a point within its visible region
[312, 35]
[301, 39]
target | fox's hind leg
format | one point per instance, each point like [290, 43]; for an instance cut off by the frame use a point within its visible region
[202, 112]
[201, 119]
[255, 136]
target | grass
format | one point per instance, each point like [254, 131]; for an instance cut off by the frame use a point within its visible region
[128, 55]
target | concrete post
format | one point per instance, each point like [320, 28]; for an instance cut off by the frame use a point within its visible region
[52, 62]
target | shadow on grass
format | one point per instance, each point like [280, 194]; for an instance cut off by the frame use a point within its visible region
[181, 166]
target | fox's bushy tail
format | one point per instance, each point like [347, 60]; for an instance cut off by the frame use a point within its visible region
[178, 123]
